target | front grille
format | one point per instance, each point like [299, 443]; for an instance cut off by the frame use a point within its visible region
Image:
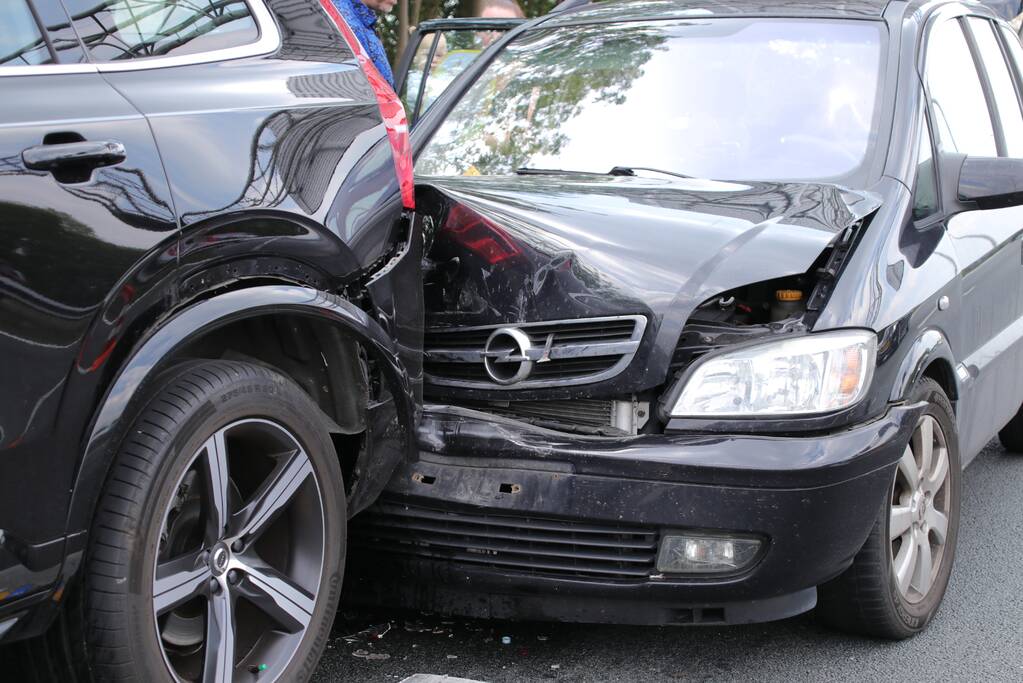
[563, 352]
[587, 412]
[531, 545]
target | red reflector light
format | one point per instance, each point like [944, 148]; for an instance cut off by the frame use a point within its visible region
[478, 234]
[391, 108]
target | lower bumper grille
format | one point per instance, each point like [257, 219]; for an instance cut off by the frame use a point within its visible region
[533, 545]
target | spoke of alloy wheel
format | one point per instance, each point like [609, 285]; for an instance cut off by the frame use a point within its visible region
[901, 520]
[277, 595]
[178, 581]
[215, 474]
[220, 632]
[275, 495]
[934, 482]
[908, 467]
[923, 440]
[905, 562]
[938, 523]
[922, 572]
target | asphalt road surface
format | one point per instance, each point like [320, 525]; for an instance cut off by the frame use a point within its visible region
[976, 635]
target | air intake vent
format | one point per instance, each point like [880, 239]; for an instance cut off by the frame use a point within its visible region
[529, 355]
[533, 545]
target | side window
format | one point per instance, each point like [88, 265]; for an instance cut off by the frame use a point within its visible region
[1002, 85]
[925, 194]
[958, 108]
[456, 50]
[21, 42]
[129, 29]
[62, 36]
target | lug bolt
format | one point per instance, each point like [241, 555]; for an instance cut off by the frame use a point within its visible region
[233, 577]
[237, 546]
[214, 586]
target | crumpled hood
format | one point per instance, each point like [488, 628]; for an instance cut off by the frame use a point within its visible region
[585, 246]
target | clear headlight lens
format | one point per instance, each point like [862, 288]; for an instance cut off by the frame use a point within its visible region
[816, 373]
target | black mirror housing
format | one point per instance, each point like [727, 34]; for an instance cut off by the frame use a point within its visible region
[991, 182]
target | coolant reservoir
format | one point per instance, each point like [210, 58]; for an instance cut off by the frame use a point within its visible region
[788, 303]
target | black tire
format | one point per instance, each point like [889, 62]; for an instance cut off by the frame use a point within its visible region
[106, 632]
[866, 599]
[1011, 435]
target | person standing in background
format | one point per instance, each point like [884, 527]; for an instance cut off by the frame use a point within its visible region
[502, 8]
[499, 9]
[361, 16]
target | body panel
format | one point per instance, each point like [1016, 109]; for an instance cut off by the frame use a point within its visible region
[590, 246]
[67, 254]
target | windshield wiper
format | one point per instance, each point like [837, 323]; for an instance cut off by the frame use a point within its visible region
[616, 171]
[525, 170]
[631, 171]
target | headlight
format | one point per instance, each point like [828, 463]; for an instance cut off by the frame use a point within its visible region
[816, 373]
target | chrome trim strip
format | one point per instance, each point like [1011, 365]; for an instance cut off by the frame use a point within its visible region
[269, 41]
[538, 355]
[627, 349]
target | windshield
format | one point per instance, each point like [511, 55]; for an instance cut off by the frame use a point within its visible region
[714, 98]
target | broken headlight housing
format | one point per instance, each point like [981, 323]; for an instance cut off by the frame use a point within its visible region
[811, 374]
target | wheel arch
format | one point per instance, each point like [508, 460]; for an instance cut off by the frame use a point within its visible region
[199, 327]
[930, 355]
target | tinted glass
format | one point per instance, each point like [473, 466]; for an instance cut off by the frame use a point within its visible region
[21, 43]
[455, 51]
[925, 195]
[62, 36]
[128, 29]
[718, 98]
[1001, 84]
[958, 107]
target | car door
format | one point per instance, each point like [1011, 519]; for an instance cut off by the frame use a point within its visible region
[975, 110]
[439, 51]
[83, 199]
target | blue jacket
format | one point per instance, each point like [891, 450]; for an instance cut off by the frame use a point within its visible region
[362, 20]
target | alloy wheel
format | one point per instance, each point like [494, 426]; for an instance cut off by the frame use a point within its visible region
[919, 517]
[240, 557]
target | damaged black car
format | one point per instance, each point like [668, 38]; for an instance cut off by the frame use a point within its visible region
[721, 298]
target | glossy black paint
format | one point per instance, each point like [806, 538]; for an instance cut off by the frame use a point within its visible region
[687, 240]
[742, 484]
[991, 182]
[252, 186]
[941, 292]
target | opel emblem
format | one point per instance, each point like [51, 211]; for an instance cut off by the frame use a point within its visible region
[506, 355]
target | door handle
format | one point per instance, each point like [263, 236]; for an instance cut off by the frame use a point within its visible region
[80, 154]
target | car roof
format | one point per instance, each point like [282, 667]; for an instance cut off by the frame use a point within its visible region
[632, 10]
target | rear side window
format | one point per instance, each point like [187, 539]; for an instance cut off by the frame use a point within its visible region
[21, 42]
[131, 29]
[1001, 85]
[960, 114]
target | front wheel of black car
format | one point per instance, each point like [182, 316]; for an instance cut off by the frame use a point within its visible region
[218, 546]
[899, 577]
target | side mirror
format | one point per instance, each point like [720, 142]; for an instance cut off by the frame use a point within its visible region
[991, 182]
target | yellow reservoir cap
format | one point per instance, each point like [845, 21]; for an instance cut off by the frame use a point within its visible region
[788, 295]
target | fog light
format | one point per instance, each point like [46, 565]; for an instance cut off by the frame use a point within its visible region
[703, 554]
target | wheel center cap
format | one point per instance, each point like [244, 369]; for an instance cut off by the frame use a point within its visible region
[220, 558]
[918, 507]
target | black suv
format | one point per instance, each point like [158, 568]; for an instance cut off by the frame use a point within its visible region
[210, 330]
[725, 296]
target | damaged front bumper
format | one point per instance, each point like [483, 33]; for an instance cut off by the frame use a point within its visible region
[500, 519]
